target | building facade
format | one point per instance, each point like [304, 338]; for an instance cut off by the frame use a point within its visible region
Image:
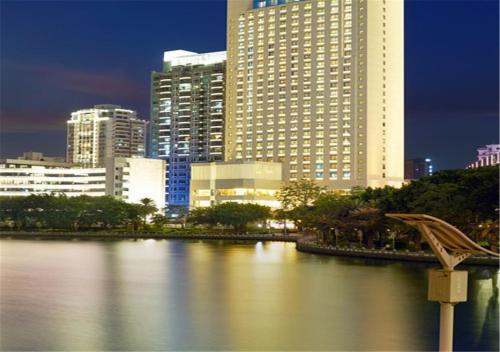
[132, 179]
[319, 86]
[240, 182]
[187, 116]
[128, 179]
[417, 168]
[25, 177]
[486, 156]
[104, 131]
[38, 156]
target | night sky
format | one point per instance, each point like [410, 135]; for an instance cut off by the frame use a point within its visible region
[61, 56]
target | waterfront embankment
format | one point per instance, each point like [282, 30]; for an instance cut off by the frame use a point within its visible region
[83, 236]
[311, 246]
[303, 244]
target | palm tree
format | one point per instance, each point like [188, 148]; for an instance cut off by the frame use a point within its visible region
[148, 207]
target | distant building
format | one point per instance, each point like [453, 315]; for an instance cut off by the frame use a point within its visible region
[129, 179]
[241, 182]
[318, 86]
[132, 179]
[37, 156]
[187, 116]
[104, 131]
[486, 156]
[417, 168]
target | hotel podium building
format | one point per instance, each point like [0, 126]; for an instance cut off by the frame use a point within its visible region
[104, 131]
[241, 182]
[187, 116]
[319, 86]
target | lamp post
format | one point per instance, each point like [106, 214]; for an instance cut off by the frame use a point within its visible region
[446, 286]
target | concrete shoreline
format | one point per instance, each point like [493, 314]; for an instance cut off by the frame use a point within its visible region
[136, 236]
[313, 247]
[302, 245]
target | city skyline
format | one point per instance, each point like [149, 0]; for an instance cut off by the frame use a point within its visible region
[63, 80]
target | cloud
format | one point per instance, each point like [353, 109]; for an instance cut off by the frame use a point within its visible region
[32, 119]
[107, 85]
[55, 91]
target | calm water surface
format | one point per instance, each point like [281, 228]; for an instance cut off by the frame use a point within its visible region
[212, 295]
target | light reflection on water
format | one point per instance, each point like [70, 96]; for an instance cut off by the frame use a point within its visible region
[215, 295]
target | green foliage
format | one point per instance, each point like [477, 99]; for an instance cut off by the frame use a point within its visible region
[462, 197]
[73, 213]
[467, 199]
[298, 193]
[233, 215]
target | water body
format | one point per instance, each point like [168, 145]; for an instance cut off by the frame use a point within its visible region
[214, 295]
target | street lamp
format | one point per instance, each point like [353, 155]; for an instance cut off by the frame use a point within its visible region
[446, 286]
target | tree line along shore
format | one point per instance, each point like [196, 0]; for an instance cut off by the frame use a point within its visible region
[467, 199]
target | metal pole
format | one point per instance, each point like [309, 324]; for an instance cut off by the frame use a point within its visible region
[446, 327]
[448, 287]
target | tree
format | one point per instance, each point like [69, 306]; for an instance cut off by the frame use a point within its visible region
[148, 208]
[487, 233]
[202, 216]
[302, 192]
[369, 220]
[12, 211]
[159, 220]
[134, 213]
[329, 213]
[297, 194]
[230, 214]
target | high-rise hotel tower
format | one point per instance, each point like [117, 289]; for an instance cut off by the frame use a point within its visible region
[187, 116]
[318, 85]
[102, 132]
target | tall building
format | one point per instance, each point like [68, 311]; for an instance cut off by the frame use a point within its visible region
[318, 86]
[104, 131]
[417, 168]
[486, 156]
[187, 116]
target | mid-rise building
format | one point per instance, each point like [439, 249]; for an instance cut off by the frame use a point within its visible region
[104, 131]
[187, 116]
[132, 179]
[486, 156]
[319, 86]
[38, 156]
[417, 168]
[129, 179]
[241, 182]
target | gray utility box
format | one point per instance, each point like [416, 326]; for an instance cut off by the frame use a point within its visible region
[447, 286]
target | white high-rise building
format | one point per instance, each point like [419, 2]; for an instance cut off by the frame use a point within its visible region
[487, 155]
[319, 86]
[187, 116]
[104, 131]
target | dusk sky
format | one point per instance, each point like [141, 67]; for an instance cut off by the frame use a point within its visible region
[60, 56]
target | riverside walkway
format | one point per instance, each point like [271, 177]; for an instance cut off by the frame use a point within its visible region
[311, 246]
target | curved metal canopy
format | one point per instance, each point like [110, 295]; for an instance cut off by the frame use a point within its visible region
[443, 237]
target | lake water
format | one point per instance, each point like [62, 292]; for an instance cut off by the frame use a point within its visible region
[214, 295]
